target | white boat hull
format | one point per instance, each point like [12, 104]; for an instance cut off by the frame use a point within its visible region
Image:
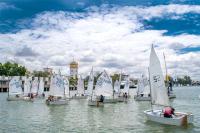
[180, 119]
[110, 101]
[79, 97]
[57, 102]
[122, 99]
[28, 99]
[14, 99]
[95, 103]
[144, 98]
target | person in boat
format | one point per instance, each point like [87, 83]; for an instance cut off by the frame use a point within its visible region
[125, 95]
[101, 98]
[31, 96]
[168, 112]
[43, 95]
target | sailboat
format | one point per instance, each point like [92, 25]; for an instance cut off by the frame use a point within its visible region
[27, 89]
[160, 98]
[104, 87]
[92, 99]
[15, 89]
[57, 91]
[170, 91]
[80, 89]
[143, 85]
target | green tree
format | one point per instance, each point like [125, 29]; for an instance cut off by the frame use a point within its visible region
[12, 69]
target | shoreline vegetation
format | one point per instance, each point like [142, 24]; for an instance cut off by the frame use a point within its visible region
[15, 69]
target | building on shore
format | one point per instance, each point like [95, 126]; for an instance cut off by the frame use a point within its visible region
[73, 69]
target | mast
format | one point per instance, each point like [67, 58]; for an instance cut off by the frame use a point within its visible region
[150, 89]
[91, 73]
[165, 67]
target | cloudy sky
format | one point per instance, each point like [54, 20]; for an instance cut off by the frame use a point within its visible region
[111, 35]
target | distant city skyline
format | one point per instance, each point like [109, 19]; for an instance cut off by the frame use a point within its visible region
[106, 35]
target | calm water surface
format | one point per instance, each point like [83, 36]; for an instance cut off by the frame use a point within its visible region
[27, 117]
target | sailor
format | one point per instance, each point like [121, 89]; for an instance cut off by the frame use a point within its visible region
[101, 98]
[125, 95]
[168, 112]
[43, 95]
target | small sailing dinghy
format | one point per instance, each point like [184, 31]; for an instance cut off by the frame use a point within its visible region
[15, 89]
[159, 97]
[80, 90]
[57, 91]
[104, 88]
[27, 96]
[92, 101]
[124, 93]
[143, 85]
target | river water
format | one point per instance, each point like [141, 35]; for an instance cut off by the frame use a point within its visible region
[37, 117]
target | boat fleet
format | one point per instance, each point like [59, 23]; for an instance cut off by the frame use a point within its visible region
[104, 91]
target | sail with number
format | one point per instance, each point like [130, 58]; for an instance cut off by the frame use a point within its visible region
[15, 86]
[104, 85]
[57, 86]
[158, 90]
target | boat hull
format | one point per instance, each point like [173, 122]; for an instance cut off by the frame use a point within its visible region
[110, 100]
[139, 98]
[14, 99]
[28, 99]
[57, 102]
[95, 103]
[79, 97]
[122, 99]
[171, 96]
[180, 118]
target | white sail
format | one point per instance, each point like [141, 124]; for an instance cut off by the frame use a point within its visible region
[90, 83]
[158, 90]
[117, 86]
[27, 86]
[80, 86]
[66, 85]
[104, 85]
[15, 86]
[126, 86]
[41, 86]
[57, 86]
[143, 85]
[34, 85]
